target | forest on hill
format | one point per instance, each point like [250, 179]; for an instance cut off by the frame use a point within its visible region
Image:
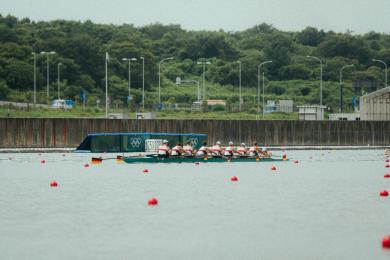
[80, 47]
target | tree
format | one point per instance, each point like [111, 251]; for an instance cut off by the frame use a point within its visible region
[310, 36]
[278, 49]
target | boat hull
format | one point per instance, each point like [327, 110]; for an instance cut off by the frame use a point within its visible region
[155, 159]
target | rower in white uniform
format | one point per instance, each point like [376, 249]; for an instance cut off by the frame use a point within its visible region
[163, 150]
[254, 150]
[216, 150]
[229, 150]
[188, 149]
[203, 150]
[177, 150]
[241, 150]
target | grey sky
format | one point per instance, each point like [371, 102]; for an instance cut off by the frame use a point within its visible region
[231, 15]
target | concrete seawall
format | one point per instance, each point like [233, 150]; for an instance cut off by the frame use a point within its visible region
[53, 133]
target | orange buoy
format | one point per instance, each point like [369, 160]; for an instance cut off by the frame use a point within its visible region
[273, 168]
[152, 202]
[43, 161]
[145, 171]
[387, 175]
[384, 193]
[53, 184]
[386, 242]
[86, 165]
[234, 178]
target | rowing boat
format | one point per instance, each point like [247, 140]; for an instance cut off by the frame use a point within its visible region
[156, 159]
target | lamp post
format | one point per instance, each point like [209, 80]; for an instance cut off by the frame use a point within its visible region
[35, 78]
[106, 61]
[204, 63]
[316, 58]
[143, 83]
[159, 78]
[258, 84]
[239, 84]
[48, 53]
[58, 78]
[384, 63]
[129, 60]
[341, 85]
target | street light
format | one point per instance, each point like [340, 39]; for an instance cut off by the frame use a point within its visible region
[48, 53]
[159, 78]
[179, 81]
[384, 63]
[239, 84]
[316, 58]
[143, 83]
[204, 63]
[58, 79]
[35, 78]
[129, 60]
[106, 61]
[341, 85]
[258, 85]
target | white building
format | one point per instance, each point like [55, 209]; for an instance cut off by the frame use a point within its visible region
[376, 105]
[311, 112]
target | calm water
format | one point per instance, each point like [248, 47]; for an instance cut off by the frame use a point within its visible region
[325, 207]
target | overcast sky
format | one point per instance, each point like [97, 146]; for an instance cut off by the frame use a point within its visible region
[360, 16]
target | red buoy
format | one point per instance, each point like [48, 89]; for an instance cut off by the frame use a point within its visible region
[145, 171]
[387, 175]
[196, 163]
[43, 161]
[296, 161]
[234, 178]
[152, 202]
[384, 193]
[86, 165]
[53, 184]
[284, 156]
[387, 166]
[273, 168]
[386, 242]
[387, 160]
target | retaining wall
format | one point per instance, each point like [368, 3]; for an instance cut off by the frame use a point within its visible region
[53, 133]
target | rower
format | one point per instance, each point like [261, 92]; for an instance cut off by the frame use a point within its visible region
[229, 150]
[216, 150]
[241, 150]
[254, 150]
[202, 152]
[163, 150]
[177, 150]
[264, 152]
[188, 149]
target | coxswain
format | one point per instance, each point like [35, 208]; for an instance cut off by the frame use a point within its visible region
[241, 150]
[177, 150]
[254, 150]
[202, 152]
[188, 149]
[216, 150]
[163, 150]
[229, 150]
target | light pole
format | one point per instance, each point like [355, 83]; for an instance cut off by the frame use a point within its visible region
[204, 63]
[384, 63]
[143, 83]
[263, 95]
[159, 78]
[239, 84]
[316, 58]
[129, 60]
[48, 53]
[106, 61]
[35, 78]
[341, 85]
[179, 81]
[258, 83]
[58, 79]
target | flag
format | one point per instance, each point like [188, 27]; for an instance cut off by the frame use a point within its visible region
[107, 57]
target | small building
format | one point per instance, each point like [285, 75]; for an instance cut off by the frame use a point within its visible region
[214, 102]
[270, 106]
[311, 112]
[375, 105]
[145, 115]
[62, 103]
[344, 117]
[286, 106]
